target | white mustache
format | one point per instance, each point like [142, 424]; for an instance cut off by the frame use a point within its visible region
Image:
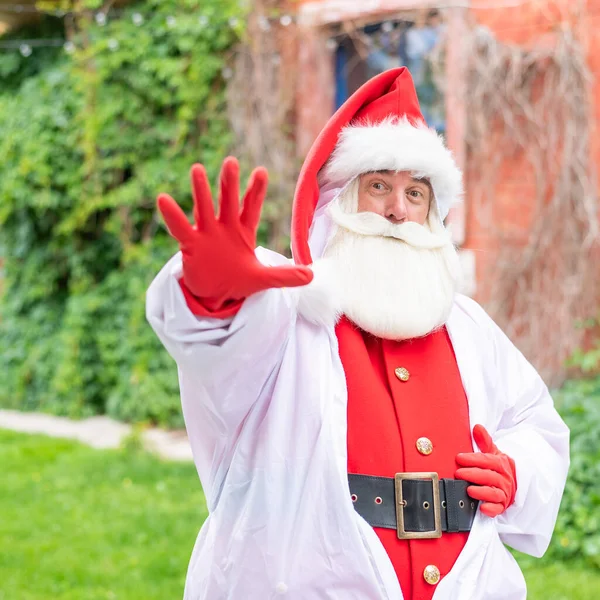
[372, 224]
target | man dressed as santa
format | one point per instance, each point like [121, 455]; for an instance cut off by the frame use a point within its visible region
[361, 430]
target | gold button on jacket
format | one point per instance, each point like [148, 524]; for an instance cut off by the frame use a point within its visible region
[431, 574]
[402, 374]
[424, 446]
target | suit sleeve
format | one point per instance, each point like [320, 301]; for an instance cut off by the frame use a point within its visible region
[532, 433]
[223, 364]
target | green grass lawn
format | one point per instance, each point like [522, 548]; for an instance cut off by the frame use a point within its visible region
[81, 524]
[562, 582]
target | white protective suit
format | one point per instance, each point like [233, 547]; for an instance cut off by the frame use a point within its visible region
[264, 399]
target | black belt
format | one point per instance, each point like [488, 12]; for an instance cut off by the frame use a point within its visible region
[416, 505]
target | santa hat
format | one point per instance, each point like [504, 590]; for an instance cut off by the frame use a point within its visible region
[380, 127]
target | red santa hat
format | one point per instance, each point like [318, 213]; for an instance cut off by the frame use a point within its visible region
[380, 127]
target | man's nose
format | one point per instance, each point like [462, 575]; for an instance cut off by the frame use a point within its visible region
[396, 209]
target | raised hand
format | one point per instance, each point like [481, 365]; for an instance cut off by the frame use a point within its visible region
[220, 269]
[492, 471]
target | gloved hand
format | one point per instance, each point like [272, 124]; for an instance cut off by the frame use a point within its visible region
[220, 269]
[492, 471]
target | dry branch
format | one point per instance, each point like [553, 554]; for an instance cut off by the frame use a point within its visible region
[530, 110]
[261, 103]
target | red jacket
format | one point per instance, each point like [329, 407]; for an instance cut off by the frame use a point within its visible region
[388, 413]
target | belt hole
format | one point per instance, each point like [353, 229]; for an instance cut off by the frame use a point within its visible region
[378, 500]
[443, 504]
[354, 497]
[472, 504]
[461, 504]
[426, 505]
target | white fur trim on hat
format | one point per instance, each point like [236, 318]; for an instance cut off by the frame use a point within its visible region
[394, 144]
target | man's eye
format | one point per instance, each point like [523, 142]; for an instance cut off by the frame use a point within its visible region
[417, 195]
[378, 186]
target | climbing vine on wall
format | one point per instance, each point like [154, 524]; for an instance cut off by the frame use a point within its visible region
[87, 140]
[530, 121]
[261, 93]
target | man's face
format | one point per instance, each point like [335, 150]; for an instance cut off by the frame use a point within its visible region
[396, 271]
[397, 196]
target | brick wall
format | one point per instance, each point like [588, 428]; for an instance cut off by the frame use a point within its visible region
[530, 23]
[524, 25]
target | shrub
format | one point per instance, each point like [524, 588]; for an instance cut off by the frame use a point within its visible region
[87, 141]
[577, 532]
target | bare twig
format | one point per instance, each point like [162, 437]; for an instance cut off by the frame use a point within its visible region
[261, 103]
[531, 108]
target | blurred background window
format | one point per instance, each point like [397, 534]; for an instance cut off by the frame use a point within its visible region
[383, 45]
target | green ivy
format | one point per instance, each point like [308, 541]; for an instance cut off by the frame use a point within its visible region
[87, 142]
[577, 532]
[587, 358]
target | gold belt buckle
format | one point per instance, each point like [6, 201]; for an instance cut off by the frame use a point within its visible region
[400, 503]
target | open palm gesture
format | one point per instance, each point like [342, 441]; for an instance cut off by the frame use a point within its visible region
[219, 265]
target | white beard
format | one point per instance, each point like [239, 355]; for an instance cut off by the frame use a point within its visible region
[395, 281]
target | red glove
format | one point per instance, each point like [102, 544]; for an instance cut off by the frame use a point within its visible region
[492, 471]
[220, 269]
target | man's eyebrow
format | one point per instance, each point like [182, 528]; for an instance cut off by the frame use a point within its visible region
[422, 180]
[380, 172]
